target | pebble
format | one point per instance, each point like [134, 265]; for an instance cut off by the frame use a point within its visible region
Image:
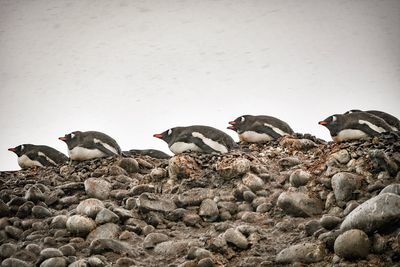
[352, 244]
[119, 247]
[344, 184]
[230, 169]
[393, 188]
[11, 262]
[67, 250]
[97, 188]
[7, 250]
[236, 238]
[106, 216]
[194, 197]
[34, 194]
[41, 212]
[342, 156]
[330, 222]
[304, 253]
[158, 173]
[299, 204]
[206, 262]
[153, 239]
[54, 262]
[104, 231]
[183, 166]
[50, 253]
[80, 225]
[13, 231]
[90, 207]
[209, 210]
[299, 178]
[130, 165]
[151, 202]
[172, 248]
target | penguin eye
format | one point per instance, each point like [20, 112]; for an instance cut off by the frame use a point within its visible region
[169, 132]
[242, 119]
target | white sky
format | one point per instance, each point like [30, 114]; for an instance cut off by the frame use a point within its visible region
[134, 68]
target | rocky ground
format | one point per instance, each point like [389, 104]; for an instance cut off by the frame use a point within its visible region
[294, 202]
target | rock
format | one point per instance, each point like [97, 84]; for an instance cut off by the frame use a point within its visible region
[198, 253]
[289, 162]
[50, 253]
[329, 222]
[67, 250]
[183, 166]
[59, 222]
[34, 194]
[151, 202]
[299, 178]
[299, 204]
[4, 209]
[98, 246]
[191, 219]
[393, 188]
[378, 244]
[158, 173]
[232, 168]
[116, 170]
[381, 160]
[311, 227]
[90, 207]
[7, 250]
[249, 196]
[40, 212]
[130, 165]
[97, 188]
[125, 262]
[194, 197]
[106, 216]
[342, 156]
[25, 209]
[142, 188]
[80, 225]
[236, 238]
[343, 184]
[253, 182]
[153, 239]
[352, 244]
[304, 253]
[33, 248]
[297, 144]
[95, 261]
[206, 262]
[209, 210]
[380, 212]
[11, 262]
[54, 262]
[104, 231]
[172, 248]
[13, 231]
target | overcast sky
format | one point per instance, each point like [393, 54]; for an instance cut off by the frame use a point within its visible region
[134, 68]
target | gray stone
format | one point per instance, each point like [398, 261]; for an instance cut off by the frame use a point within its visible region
[289, 162]
[11, 262]
[343, 184]
[299, 204]
[158, 173]
[352, 244]
[379, 244]
[342, 156]
[249, 196]
[381, 160]
[299, 178]
[151, 202]
[4, 209]
[97, 188]
[198, 253]
[209, 210]
[13, 231]
[393, 188]
[90, 207]
[40, 212]
[34, 194]
[7, 250]
[379, 212]
[183, 166]
[67, 250]
[153, 239]
[80, 225]
[304, 253]
[142, 188]
[206, 262]
[54, 262]
[330, 222]
[172, 248]
[104, 231]
[106, 216]
[230, 169]
[195, 196]
[94, 261]
[59, 222]
[236, 238]
[50, 253]
[253, 182]
[98, 246]
[130, 165]
[350, 206]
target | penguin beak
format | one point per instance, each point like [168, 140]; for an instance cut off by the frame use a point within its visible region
[62, 138]
[12, 149]
[158, 136]
[232, 122]
[233, 125]
[323, 123]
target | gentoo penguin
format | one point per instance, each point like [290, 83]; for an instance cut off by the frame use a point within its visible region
[147, 152]
[32, 155]
[197, 138]
[356, 125]
[90, 145]
[257, 129]
[390, 119]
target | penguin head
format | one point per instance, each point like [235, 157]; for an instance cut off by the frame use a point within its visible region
[71, 139]
[238, 124]
[21, 149]
[332, 123]
[166, 135]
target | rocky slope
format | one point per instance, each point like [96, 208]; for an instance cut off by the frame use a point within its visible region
[295, 201]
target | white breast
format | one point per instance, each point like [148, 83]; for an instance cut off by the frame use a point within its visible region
[349, 134]
[180, 147]
[81, 153]
[254, 137]
[112, 149]
[275, 129]
[211, 143]
[25, 162]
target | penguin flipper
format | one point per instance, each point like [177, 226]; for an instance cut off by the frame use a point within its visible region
[366, 129]
[35, 156]
[260, 128]
[103, 149]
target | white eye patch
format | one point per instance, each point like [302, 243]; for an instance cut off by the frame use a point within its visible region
[334, 118]
[169, 132]
[242, 119]
[22, 147]
[72, 135]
